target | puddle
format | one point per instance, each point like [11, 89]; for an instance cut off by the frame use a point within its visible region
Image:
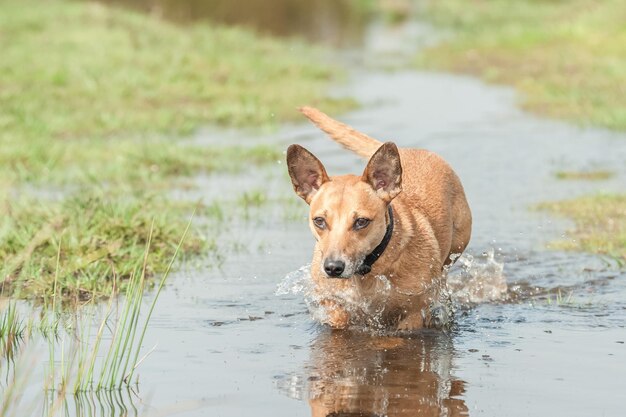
[545, 332]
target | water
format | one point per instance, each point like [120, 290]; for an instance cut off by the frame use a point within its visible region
[336, 22]
[537, 332]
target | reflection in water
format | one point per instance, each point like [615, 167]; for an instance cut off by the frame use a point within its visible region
[357, 374]
[336, 22]
[102, 403]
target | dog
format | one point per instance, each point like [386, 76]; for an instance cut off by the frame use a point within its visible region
[383, 237]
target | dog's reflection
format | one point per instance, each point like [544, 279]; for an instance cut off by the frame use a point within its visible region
[355, 374]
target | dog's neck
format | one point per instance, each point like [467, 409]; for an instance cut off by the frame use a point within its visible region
[366, 266]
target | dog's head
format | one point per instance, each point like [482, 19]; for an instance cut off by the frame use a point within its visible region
[348, 215]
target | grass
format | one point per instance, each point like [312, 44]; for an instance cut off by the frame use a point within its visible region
[136, 162]
[94, 99]
[567, 58]
[564, 298]
[99, 238]
[78, 361]
[600, 224]
[596, 175]
[76, 70]
[12, 330]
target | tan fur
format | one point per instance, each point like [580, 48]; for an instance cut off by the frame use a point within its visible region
[351, 139]
[432, 221]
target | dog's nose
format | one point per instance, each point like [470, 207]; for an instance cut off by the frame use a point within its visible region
[334, 268]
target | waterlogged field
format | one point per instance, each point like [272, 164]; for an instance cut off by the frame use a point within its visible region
[567, 58]
[98, 106]
[532, 325]
[567, 61]
[231, 333]
[94, 102]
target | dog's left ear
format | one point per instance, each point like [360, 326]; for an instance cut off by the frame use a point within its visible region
[384, 172]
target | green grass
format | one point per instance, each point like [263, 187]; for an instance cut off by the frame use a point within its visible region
[596, 175]
[600, 224]
[73, 70]
[12, 330]
[567, 58]
[132, 162]
[79, 361]
[93, 100]
[558, 298]
[98, 237]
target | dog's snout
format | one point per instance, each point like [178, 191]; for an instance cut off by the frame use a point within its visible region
[334, 267]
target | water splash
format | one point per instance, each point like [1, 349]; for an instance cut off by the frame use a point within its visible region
[473, 280]
[300, 282]
[351, 297]
[478, 280]
[296, 282]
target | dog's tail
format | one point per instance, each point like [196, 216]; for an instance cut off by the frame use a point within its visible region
[353, 140]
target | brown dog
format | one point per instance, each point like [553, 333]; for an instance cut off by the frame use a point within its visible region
[384, 237]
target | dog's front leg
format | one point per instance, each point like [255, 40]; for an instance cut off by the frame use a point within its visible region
[436, 317]
[413, 321]
[336, 316]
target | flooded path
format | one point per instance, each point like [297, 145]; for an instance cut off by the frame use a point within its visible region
[555, 348]
[554, 345]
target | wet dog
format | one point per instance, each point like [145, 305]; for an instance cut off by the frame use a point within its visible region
[399, 223]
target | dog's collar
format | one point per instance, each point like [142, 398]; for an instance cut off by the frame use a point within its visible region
[369, 260]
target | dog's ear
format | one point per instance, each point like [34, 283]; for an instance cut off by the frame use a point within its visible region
[384, 172]
[306, 171]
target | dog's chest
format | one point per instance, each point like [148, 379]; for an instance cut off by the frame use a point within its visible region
[372, 294]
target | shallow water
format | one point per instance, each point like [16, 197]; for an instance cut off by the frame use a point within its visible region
[549, 342]
[336, 22]
[552, 344]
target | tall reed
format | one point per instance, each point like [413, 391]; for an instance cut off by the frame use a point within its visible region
[79, 362]
[122, 355]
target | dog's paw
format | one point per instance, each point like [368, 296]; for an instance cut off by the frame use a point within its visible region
[338, 319]
[336, 316]
[439, 317]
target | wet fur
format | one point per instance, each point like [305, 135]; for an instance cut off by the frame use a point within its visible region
[432, 221]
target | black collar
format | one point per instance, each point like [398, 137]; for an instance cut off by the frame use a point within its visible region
[369, 260]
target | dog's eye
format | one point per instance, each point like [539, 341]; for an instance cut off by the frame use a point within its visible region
[361, 223]
[319, 222]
